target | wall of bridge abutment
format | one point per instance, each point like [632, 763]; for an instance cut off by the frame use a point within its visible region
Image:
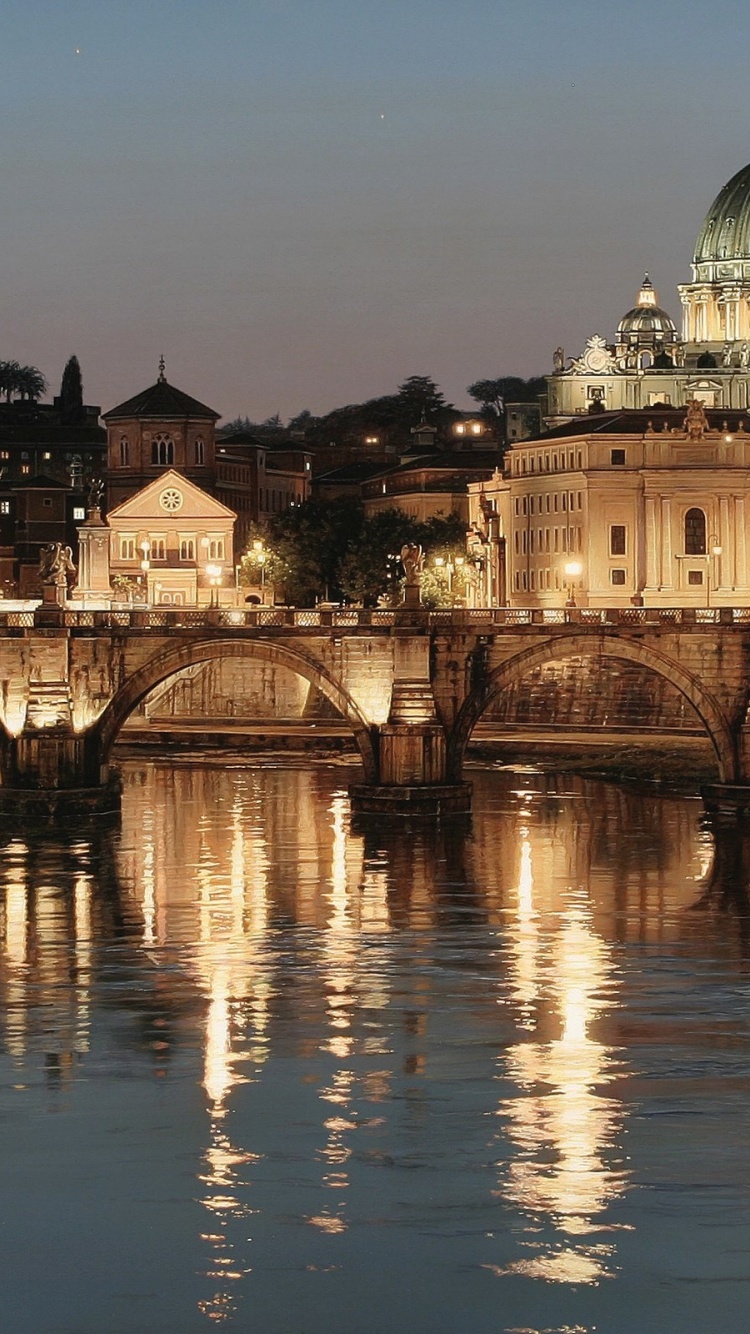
[412, 687]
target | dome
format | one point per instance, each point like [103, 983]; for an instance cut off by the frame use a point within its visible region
[725, 234]
[646, 319]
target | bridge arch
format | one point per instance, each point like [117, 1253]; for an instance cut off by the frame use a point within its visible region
[169, 661]
[557, 647]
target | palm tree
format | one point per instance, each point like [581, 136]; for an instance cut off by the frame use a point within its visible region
[9, 372]
[30, 383]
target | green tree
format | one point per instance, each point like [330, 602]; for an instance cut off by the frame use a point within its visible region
[71, 391]
[370, 568]
[261, 564]
[9, 373]
[30, 383]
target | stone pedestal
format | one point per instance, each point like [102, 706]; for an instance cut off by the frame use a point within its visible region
[93, 559]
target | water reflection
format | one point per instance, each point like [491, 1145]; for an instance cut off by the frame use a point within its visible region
[361, 1002]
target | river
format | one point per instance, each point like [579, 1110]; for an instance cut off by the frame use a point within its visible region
[269, 1071]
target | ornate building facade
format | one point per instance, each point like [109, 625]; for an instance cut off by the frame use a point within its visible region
[648, 365]
[616, 510]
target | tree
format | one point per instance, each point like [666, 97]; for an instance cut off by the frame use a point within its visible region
[309, 542]
[9, 372]
[31, 384]
[261, 563]
[371, 568]
[494, 394]
[71, 391]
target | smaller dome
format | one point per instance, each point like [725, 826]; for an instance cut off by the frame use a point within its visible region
[646, 320]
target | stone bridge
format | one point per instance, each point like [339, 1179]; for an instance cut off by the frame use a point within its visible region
[412, 684]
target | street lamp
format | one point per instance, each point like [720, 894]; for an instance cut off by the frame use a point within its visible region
[261, 555]
[714, 549]
[214, 578]
[145, 567]
[572, 569]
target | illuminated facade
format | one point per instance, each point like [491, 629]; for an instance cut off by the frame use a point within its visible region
[622, 509]
[175, 541]
[648, 364]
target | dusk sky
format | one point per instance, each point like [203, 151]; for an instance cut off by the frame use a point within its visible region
[302, 202]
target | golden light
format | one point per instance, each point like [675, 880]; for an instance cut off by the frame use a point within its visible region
[573, 568]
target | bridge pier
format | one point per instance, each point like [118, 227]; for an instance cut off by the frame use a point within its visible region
[412, 749]
[52, 774]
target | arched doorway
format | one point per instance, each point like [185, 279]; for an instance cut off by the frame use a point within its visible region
[705, 706]
[169, 662]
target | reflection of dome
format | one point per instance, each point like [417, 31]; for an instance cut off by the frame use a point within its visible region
[725, 234]
[646, 321]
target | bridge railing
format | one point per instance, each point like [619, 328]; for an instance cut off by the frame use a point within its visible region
[261, 618]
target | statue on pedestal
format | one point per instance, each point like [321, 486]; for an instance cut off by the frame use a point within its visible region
[412, 559]
[55, 564]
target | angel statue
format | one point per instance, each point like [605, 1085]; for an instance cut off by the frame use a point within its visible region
[96, 493]
[55, 564]
[412, 560]
[558, 359]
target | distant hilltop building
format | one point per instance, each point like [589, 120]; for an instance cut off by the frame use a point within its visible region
[649, 364]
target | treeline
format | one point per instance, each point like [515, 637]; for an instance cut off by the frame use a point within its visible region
[329, 551]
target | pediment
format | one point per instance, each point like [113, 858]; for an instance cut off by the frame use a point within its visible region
[171, 496]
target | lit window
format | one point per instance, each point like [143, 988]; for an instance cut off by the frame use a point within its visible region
[47, 455]
[4, 454]
[79, 513]
[476, 428]
[4, 507]
[25, 469]
[460, 430]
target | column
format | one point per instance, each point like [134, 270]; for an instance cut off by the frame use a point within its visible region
[740, 543]
[667, 573]
[724, 562]
[652, 545]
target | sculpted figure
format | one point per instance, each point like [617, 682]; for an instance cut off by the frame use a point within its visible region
[96, 493]
[412, 560]
[745, 355]
[726, 354]
[696, 422]
[55, 563]
[558, 359]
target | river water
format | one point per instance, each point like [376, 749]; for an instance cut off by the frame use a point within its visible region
[267, 1071]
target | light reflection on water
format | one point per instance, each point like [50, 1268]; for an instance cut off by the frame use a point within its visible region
[345, 1079]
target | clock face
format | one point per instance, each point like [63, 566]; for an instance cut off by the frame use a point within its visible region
[171, 500]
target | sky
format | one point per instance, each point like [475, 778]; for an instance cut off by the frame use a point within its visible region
[302, 202]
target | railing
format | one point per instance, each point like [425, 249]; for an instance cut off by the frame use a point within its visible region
[355, 618]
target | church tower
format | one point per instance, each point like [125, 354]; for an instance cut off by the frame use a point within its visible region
[159, 429]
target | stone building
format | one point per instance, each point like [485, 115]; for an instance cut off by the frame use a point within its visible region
[621, 509]
[648, 364]
[163, 428]
[174, 543]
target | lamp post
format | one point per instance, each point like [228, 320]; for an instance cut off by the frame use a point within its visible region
[145, 567]
[261, 556]
[450, 564]
[214, 578]
[714, 550]
[572, 570]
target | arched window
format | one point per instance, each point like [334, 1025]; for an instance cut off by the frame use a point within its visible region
[124, 451]
[199, 450]
[162, 449]
[695, 533]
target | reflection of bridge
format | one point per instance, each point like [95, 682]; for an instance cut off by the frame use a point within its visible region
[411, 684]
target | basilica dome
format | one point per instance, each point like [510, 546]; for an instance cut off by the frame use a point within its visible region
[725, 234]
[646, 320]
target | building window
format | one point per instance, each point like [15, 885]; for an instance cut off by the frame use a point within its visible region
[187, 548]
[127, 548]
[124, 451]
[695, 533]
[216, 548]
[25, 469]
[199, 451]
[79, 513]
[47, 455]
[617, 457]
[617, 545]
[617, 577]
[4, 453]
[695, 577]
[158, 548]
[162, 450]
[47, 502]
[4, 507]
